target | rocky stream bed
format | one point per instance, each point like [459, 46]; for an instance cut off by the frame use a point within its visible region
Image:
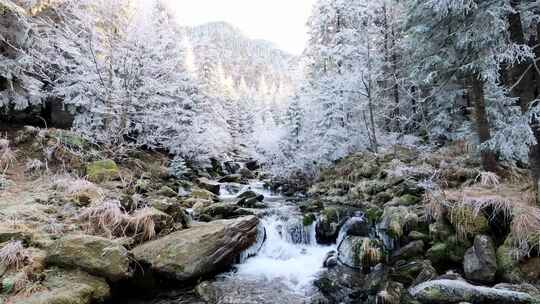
[397, 227]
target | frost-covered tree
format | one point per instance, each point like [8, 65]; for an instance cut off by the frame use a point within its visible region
[21, 82]
[458, 48]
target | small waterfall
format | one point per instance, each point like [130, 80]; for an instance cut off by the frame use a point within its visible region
[289, 253]
[296, 233]
[256, 247]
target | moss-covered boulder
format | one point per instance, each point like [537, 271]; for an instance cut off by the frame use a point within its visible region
[467, 222]
[448, 252]
[457, 291]
[199, 193]
[440, 230]
[330, 221]
[397, 221]
[68, 287]
[95, 255]
[103, 170]
[201, 250]
[167, 191]
[172, 208]
[413, 272]
[360, 252]
[209, 185]
[409, 200]
[508, 258]
[222, 211]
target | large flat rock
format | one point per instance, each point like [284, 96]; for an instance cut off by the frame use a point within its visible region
[68, 287]
[95, 255]
[456, 291]
[203, 249]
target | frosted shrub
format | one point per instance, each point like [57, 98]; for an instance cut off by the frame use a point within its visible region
[178, 167]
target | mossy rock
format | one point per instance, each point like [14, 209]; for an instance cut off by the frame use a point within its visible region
[360, 252]
[508, 258]
[466, 222]
[309, 219]
[167, 191]
[409, 200]
[450, 251]
[440, 230]
[311, 206]
[397, 221]
[143, 185]
[374, 214]
[95, 255]
[199, 193]
[382, 198]
[368, 170]
[438, 253]
[68, 287]
[101, 171]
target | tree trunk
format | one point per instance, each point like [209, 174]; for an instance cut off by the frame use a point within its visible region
[489, 161]
[536, 44]
[534, 151]
[522, 74]
[524, 81]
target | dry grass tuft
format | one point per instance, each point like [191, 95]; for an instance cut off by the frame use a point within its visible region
[488, 179]
[500, 200]
[14, 255]
[7, 155]
[143, 223]
[515, 203]
[369, 254]
[78, 188]
[107, 218]
[525, 229]
[111, 220]
[435, 204]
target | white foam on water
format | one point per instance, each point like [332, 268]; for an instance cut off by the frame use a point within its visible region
[289, 254]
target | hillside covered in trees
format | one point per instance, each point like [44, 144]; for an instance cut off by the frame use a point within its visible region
[396, 160]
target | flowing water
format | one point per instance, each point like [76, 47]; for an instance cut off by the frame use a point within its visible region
[282, 265]
[279, 268]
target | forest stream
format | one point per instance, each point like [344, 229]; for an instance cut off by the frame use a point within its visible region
[279, 268]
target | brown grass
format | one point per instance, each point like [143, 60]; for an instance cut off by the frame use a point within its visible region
[488, 179]
[515, 202]
[106, 218]
[111, 220]
[13, 255]
[143, 223]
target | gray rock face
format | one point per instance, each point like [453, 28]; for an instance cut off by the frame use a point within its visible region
[455, 291]
[200, 250]
[209, 185]
[68, 287]
[95, 255]
[409, 251]
[480, 261]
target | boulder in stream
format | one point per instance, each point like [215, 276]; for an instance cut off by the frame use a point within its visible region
[209, 185]
[201, 250]
[457, 291]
